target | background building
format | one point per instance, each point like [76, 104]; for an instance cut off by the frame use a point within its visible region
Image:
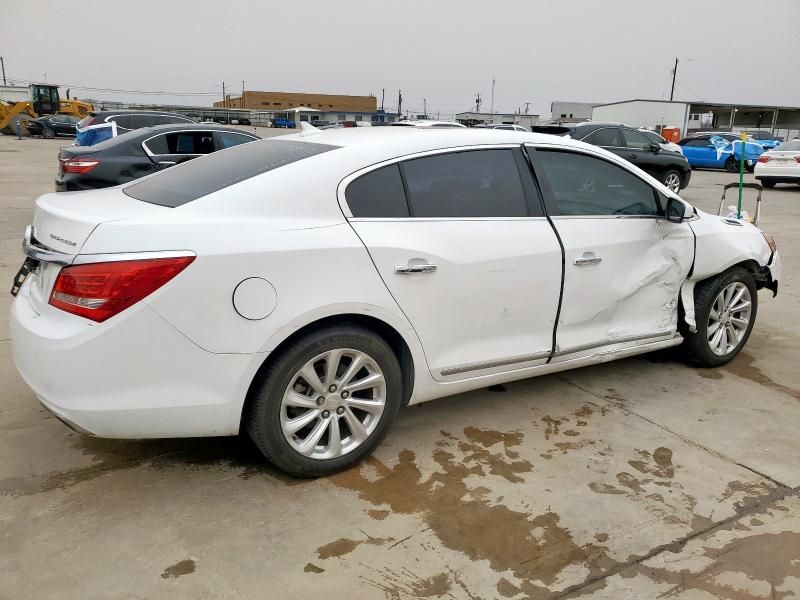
[570, 112]
[281, 101]
[694, 116]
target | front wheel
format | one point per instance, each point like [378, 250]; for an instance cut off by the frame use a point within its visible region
[326, 402]
[725, 309]
[672, 180]
[732, 165]
[48, 133]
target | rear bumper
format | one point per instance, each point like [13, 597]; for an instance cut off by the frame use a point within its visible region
[133, 376]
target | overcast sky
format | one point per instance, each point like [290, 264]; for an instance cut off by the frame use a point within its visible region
[442, 50]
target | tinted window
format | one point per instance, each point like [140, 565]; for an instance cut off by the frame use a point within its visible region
[139, 121]
[653, 137]
[123, 121]
[228, 139]
[636, 139]
[196, 178]
[608, 136]
[480, 183]
[699, 143]
[584, 185]
[378, 194]
[182, 142]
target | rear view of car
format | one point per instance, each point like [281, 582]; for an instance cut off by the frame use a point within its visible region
[781, 165]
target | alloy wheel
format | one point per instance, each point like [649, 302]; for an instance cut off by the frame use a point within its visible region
[729, 318]
[333, 403]
[673, 182]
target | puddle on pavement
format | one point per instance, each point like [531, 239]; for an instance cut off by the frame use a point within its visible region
[744, 366]
[344, 546]
[184, 567]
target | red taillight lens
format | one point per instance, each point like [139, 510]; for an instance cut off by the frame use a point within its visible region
[763, 158]
[98, 291]
[79, 165]
[797, 159]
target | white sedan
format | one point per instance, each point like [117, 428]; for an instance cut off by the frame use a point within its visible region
[781, 165]
[304, 288]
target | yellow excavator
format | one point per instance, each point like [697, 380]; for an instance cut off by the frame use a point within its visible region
[20, 104]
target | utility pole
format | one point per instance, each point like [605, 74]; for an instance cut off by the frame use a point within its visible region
[478, 102]
[674, 74]
[527, 106]
[3, 65]
[383, 95]
[224, 99]
[399, 102]
[242, 100]
[425, 107]
[492, 109]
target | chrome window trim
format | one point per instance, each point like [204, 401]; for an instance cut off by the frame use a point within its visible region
[85, 259]
[152, 154]
[340, 189]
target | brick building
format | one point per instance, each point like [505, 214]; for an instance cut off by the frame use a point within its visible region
[280, 101]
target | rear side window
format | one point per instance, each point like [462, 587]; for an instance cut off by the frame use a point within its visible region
[196, 178]
[379, 193]
[478, 183]
[182, 142]
[123, 121]
[228, 139]
[139, 121]
[588, 186]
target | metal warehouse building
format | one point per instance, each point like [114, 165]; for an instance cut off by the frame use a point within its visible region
[695, 116]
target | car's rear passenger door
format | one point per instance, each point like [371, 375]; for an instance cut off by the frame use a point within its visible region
[461, 242]
[624, 264]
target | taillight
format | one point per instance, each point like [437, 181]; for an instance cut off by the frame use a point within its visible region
[98, 291]
[797, 159]
[79, 165]
[763, 158]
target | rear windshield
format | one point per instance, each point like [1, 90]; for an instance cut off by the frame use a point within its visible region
[199, 177]
[792, 146]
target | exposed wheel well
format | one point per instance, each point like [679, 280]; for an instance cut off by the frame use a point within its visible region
[384, 330]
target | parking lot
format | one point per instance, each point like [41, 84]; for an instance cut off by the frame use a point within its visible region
[640, 478]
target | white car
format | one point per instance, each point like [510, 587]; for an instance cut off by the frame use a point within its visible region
[781, 165]
[661, 141]
[304, 288]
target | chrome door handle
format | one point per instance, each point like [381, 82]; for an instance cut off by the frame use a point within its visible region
[423, 268]
[587, 260]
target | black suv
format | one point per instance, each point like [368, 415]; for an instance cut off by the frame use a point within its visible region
[670, 168]
[128, 120]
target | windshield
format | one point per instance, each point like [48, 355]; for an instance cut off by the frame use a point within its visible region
[653, 136]
[199, 177]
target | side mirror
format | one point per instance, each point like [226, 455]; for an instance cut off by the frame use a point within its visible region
[676, 211]
[655, 148]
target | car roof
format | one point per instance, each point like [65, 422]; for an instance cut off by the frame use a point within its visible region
[131, 111]
[191, 126]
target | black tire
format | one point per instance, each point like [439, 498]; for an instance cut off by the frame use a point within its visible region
[695, 348]
[48, 133]
[671, 174]
[767, 184]
[731, 165]
[262, 417]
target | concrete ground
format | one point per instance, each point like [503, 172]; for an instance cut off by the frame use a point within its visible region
[641, 478]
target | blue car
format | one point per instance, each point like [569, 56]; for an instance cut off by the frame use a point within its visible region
[720, 152]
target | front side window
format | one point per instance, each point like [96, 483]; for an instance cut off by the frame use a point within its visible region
[638, 140]
[228, 139]
[697, 142]
[478, 183]
[587, 186]
[608, 136]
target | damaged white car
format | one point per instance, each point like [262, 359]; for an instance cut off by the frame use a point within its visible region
[302, 289]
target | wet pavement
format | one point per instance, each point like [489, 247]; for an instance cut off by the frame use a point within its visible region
[641, 478]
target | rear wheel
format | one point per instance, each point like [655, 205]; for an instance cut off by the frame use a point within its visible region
[725, 310]
[326, 402]
[672, 180]
[731, 166]
[767, 184]
[48, 133]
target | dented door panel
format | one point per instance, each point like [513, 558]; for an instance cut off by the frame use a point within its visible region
[633, 291]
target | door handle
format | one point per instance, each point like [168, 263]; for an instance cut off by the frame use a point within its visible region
[406, 269]
[587, 259]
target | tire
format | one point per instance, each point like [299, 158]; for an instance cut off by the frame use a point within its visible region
[672, 180]
[48, 133]
[267, 414]
[767, 184]
[696, 347]
[731, 165]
